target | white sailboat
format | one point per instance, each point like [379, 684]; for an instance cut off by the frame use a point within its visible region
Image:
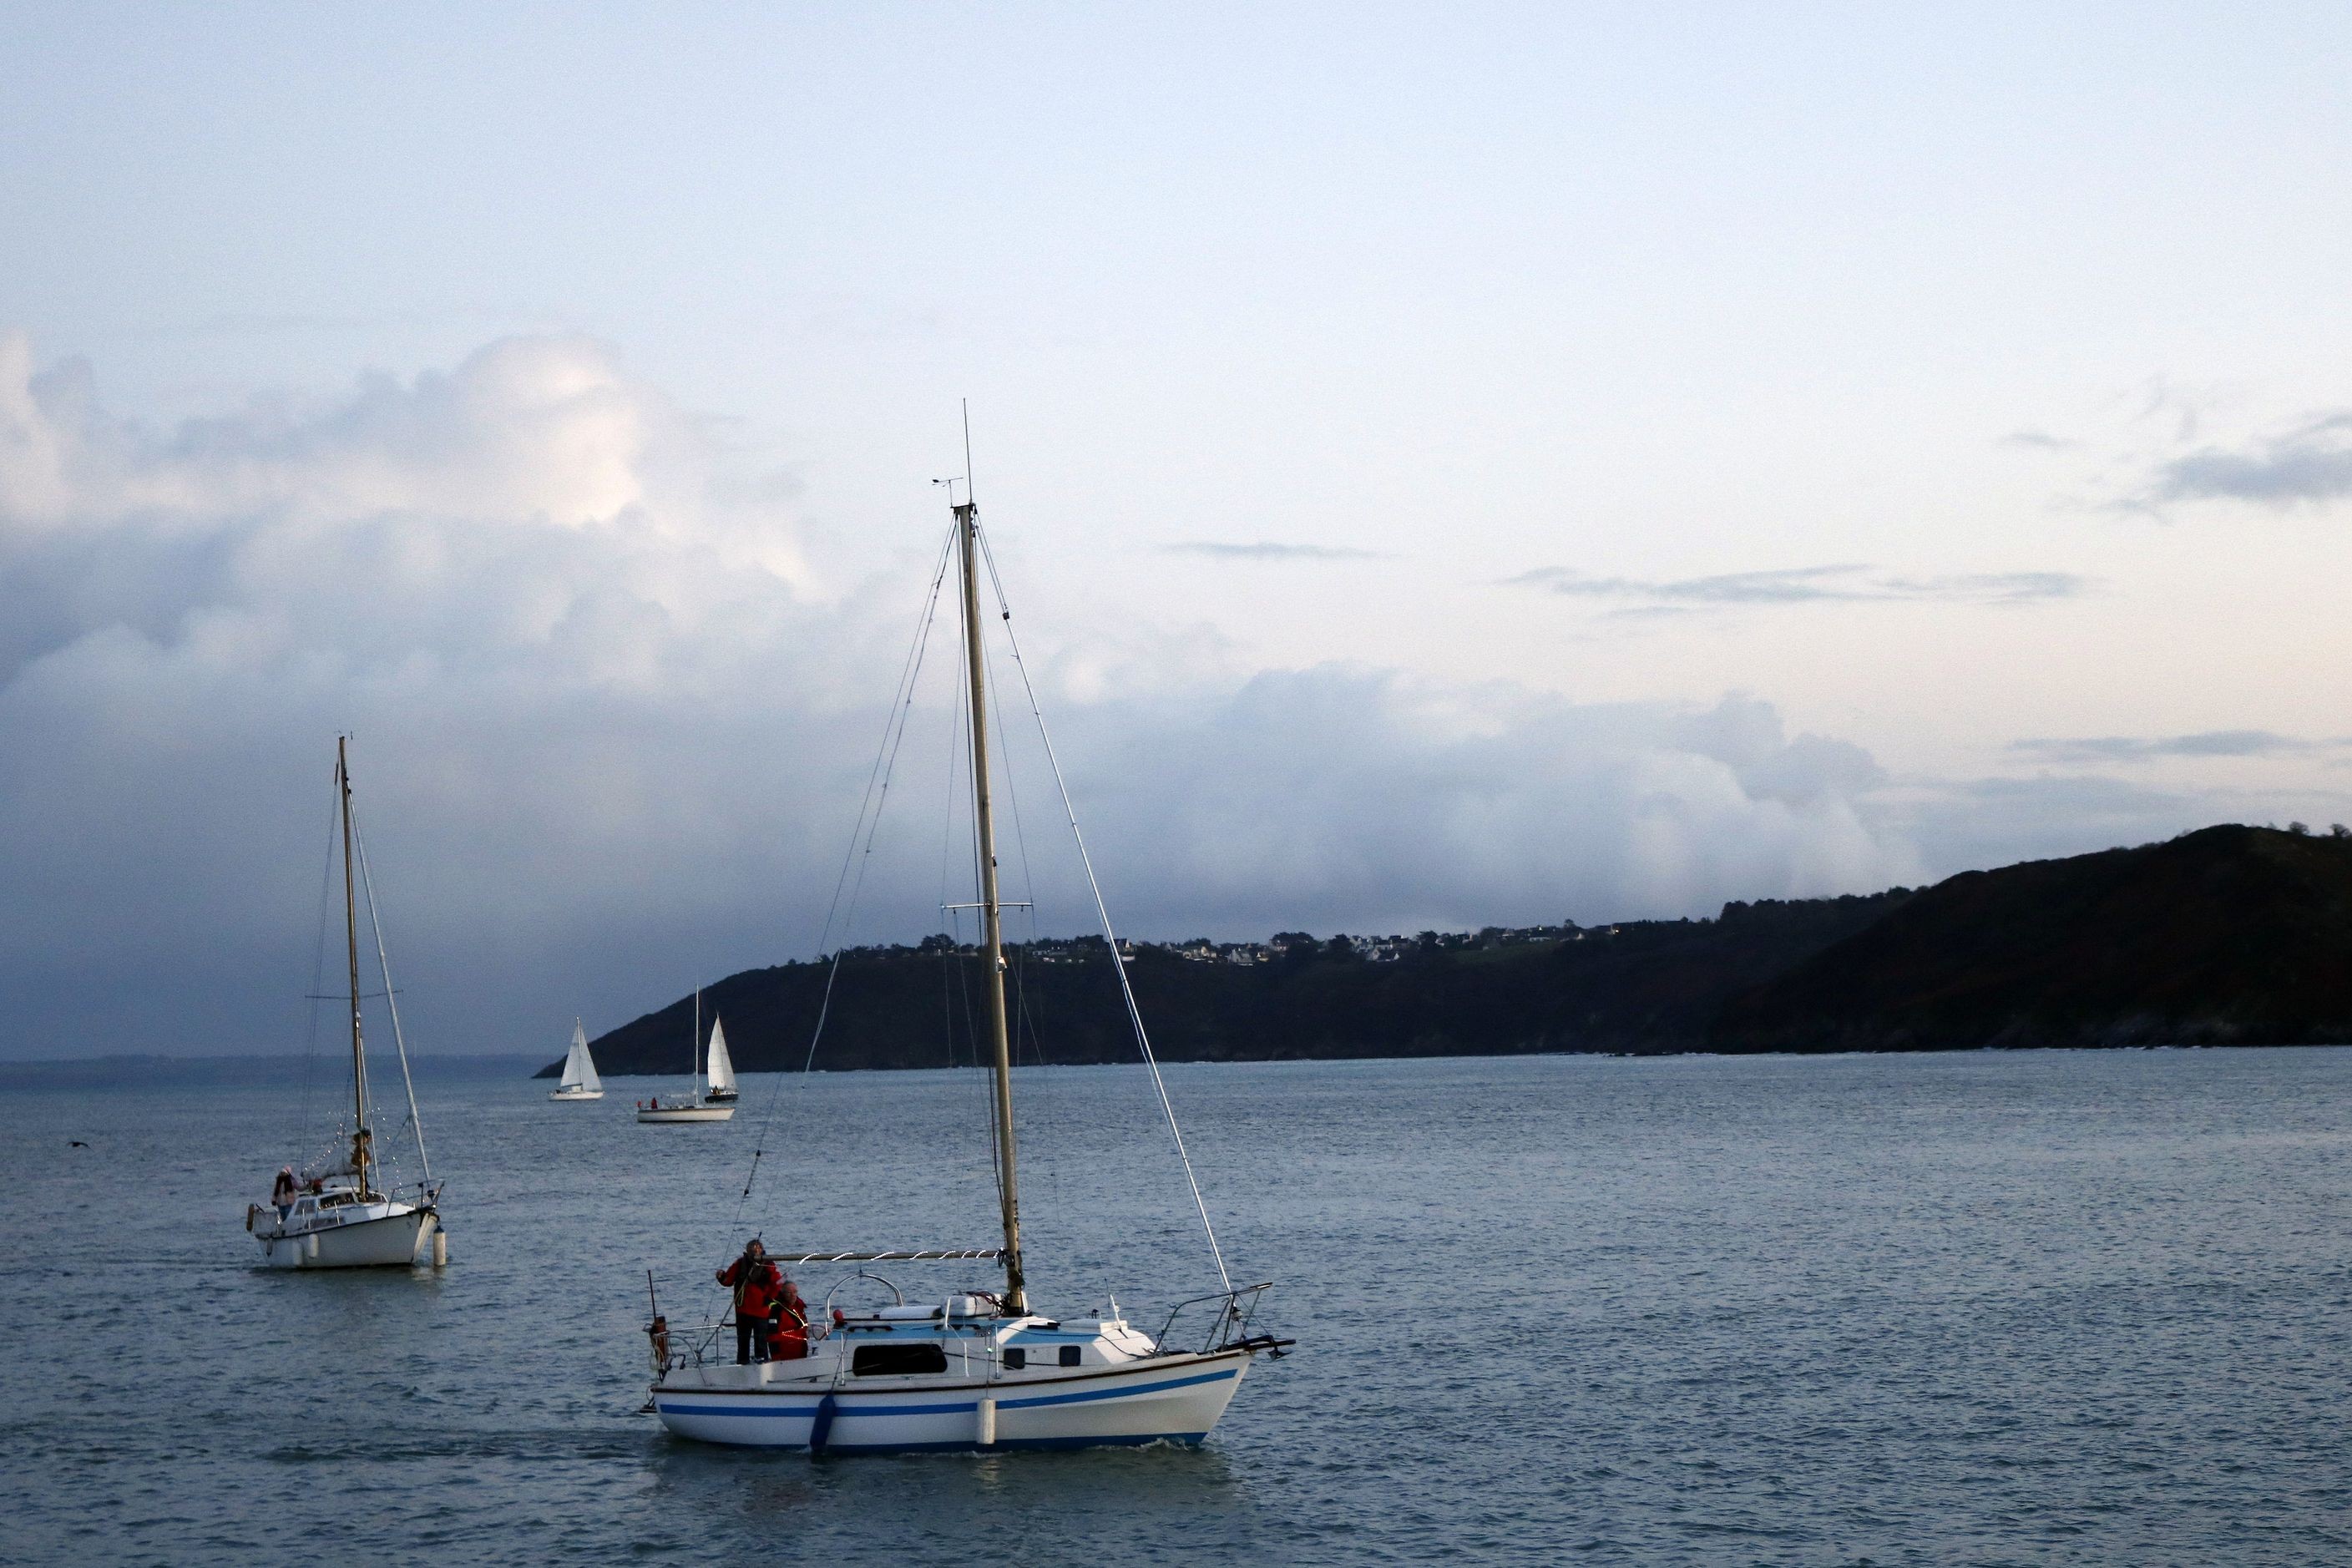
[697, 1106]
[718, 1067]
[975, 1369]
[579, 1081]
[347, 1214]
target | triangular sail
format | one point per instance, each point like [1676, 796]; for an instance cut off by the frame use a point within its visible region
[579, 1067]
[722, 1068]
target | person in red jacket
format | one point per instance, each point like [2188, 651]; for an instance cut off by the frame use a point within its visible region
[754, 1281]
[787, 1336]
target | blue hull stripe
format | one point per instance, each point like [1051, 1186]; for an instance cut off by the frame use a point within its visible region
[1111, 1392]
[1123, 1440]
[852, 1412]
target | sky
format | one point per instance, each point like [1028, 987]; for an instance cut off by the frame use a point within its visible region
[1449, 465]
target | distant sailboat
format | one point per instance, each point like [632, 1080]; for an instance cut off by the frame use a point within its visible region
[699, 1106]
[718, 1066]
[580, 1081]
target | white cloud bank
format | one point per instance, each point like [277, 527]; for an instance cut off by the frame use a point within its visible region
[609, 741]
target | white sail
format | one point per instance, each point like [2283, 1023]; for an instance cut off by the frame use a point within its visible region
[722, 1066]
[579, 1067]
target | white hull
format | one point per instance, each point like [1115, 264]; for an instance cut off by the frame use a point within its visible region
[395, 1235]
[1162, 1399]
[577, 1094]
[686, 1113]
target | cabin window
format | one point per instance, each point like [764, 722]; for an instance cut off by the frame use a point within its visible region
[1069, 1355]
[1015, 1358]
[899, 1360]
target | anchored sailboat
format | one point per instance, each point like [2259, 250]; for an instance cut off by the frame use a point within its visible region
[580, 1081]
[347, 1214]
[978, 1369]
[697, 1106]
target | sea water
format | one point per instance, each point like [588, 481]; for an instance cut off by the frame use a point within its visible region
[1987, 1308]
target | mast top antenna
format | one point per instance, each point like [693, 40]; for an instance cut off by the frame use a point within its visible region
[967, 497]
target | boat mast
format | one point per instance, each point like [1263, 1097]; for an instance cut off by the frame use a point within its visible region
[967, 516]
[695, 1051]
[352, 943]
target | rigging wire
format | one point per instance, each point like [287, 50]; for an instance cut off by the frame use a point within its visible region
[1043, 1105]
[958, 959]
[318, 982]
[877, 788]
[1102, 909]
[390, 1000]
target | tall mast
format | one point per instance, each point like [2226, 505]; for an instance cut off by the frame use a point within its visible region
[695, 1051]
[352, 943]
[1016, 1297]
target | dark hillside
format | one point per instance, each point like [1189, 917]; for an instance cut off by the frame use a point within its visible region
[1642, 985]
[2228, 934]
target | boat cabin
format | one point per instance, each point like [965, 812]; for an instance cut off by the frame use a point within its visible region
[963, 1334]
[964, 1338]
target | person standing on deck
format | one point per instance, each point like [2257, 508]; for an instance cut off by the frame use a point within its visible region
[755, 1282]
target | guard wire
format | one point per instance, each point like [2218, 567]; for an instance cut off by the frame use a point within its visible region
[1102, 909]
[878, 789]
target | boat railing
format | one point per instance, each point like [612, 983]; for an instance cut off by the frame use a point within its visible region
[711, 1342]
[1228, 1315]
[421, 1194]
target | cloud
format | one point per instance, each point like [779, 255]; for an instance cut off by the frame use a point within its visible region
[610, 739]
[1265, 550]
[1365, 799]
[2309, 466]
[2038, 440]
[1809, 584]
[2137, 749]
[1959, 824]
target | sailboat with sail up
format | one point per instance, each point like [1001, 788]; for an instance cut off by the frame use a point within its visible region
[579, 1081]
[699, 1106]
[975, 1369]
[718, 1066]
[345, 1212]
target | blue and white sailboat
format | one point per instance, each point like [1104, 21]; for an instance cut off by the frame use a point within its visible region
[977, 1368]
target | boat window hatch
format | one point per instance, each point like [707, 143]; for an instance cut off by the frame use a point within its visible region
[899, 1360]
[1069, 1355]
[1016, 1358]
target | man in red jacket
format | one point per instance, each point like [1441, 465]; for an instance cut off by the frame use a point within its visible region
[788, 1339]
[754, 1281]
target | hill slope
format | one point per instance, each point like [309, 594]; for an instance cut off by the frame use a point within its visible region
[2227, 934]
[1643, 986]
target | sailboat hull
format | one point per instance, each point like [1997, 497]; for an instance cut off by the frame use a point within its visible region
[1165, 1399]
[577, 1094]
[686, 1113]
[391, 1239]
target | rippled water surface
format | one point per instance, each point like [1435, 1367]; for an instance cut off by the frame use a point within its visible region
[2030, 1308]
